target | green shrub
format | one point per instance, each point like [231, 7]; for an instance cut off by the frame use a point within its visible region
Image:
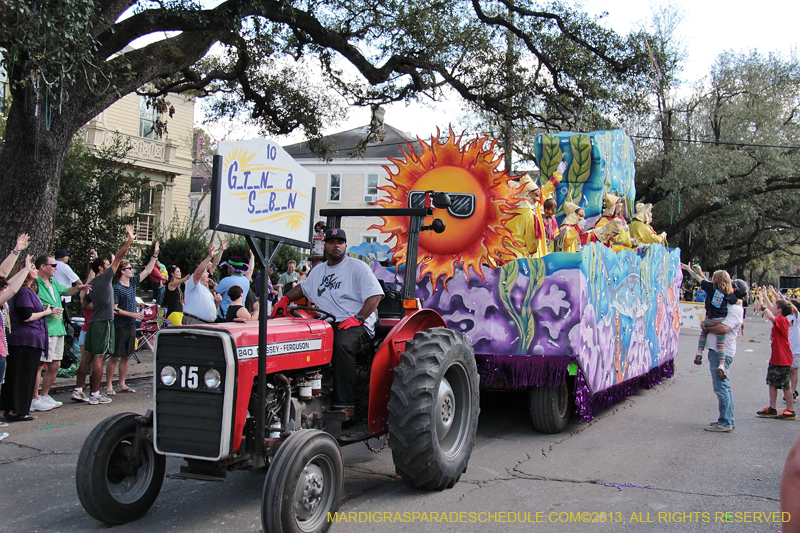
[183, 243]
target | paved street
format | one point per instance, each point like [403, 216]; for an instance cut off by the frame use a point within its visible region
[654, 441]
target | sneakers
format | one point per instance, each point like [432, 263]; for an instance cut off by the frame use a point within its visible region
[715, 423]
[51, 401]
[99, 399]
[104, 399]
[787, 415]
[698, 359]
[3, 435]
[718, 428]
[794, 395]
[79, 396]
[768, 412]
[41, 404]
[721, 373]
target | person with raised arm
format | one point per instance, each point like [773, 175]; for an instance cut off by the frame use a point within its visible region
[780, 361]
[173, 295]
[50, 293]
[99, 340]
[201, 303]
[126, 314]
[27, 341]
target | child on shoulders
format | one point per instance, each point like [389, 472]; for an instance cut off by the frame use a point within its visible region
[720, 295]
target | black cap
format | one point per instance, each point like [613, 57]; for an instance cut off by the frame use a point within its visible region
[61, 253]
[740, 288]
[335, 233]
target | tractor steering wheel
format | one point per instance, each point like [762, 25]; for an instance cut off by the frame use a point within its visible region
[323, 314]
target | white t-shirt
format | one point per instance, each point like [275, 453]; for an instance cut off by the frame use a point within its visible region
[342, 289]
[199, 301]
[65, 276]
[734, 321]
[794, 334]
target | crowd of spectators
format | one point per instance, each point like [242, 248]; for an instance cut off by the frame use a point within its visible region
[34, 322]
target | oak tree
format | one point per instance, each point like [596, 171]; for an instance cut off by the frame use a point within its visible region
[67, 61]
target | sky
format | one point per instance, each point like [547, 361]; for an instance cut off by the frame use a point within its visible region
[709, 28]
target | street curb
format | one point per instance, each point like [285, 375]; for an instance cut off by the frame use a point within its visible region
[67, 387]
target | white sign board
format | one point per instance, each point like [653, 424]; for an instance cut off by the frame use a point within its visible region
[692, 315]
[258, 189]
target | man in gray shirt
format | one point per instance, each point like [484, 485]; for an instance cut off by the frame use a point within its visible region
[346, 288]
[100, 334]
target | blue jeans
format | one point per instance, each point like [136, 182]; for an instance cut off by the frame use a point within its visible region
[722, 388]
[158, 294]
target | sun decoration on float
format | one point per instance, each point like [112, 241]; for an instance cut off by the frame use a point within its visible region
[481, 197]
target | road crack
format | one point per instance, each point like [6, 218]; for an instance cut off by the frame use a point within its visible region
[39, 453]
[517, 474]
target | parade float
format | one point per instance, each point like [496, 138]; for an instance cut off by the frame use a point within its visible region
[580, 331]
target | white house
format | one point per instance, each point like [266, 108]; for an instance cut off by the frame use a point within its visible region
[352, 182]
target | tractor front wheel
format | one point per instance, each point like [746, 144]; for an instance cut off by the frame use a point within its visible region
[433, 409]
[115, 484]
[304, 483]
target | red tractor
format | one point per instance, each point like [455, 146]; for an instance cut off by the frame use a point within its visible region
[212, 407]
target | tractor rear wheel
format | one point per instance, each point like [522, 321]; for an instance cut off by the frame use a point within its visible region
[549, 408]
[433, 409]
[304, 484]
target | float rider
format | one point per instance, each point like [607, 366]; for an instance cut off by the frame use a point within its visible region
[641, 229]
[613, 208]
[607, 234]
[527, 228]
[570, 231]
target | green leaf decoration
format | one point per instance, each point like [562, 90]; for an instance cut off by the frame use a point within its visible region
[551, 157]
[523, 317]
[508, 276]
[581, 165]
[538, 271]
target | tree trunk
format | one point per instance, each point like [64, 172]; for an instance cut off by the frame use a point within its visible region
[30, 169]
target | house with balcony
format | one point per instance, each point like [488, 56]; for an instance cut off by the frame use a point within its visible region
[166, 162]
[352, 182]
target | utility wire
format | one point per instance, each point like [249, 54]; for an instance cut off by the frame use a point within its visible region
[697, 141]
[491, 135]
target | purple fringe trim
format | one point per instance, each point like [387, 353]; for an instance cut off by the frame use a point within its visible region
[514, 371]
[518, 371]
[589, 405]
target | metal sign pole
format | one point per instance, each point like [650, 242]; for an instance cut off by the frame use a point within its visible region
[264, 258]
[262, 356]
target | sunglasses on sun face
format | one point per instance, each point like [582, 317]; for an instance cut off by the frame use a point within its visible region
[462, 205]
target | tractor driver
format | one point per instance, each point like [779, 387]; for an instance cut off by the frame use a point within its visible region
[347, 288]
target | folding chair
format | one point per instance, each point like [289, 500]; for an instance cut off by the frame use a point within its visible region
[152, 322]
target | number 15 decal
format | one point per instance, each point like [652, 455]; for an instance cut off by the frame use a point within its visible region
[189, 378]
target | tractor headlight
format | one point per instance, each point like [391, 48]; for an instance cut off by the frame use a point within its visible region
[168, 375]
[212, 379]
